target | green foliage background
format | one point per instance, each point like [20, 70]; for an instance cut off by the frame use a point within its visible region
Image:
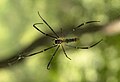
[99, 64]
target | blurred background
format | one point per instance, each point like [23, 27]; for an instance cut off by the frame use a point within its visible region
[18, 37]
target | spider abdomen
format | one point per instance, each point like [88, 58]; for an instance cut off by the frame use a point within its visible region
[59, 41]
[70, 40]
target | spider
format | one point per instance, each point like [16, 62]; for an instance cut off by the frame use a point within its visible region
[58, 42]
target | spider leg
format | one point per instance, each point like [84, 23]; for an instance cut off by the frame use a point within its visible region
[34, 25]
[22, 56]
[84, 24]
[48, 25]
[48, 66]
[40, 51]
[85, 47]
[65, 53]
[61, 32]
